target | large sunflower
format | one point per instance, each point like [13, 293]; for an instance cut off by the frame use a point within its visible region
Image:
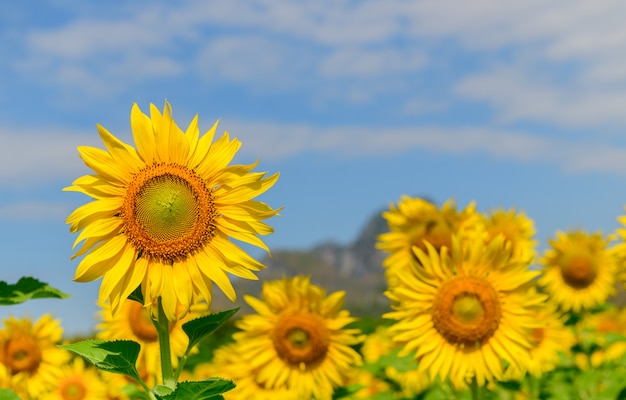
[578, 270]
[134, 322]
[466, 312]
[163, 213]
[415, 222]
[299, 338]
[30, 355]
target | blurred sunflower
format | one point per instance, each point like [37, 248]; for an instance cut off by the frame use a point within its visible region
[595, 331]
[516, 228]
[30, 354]
[77, 382]
[163, 213]
[405, 375]
[229, 363]
[415, 222]
[134, 322]
[466, 313]
[299, 338]
[550, 339]
[578, 270]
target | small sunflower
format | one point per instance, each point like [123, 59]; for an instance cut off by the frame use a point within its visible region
[516, 228]
[466, 313]
[30, 354]
[299, 338]
[134, 322]
[228, 362]
[594, 330]
[578, 270]
[550, 339]
[415, 222]
[78, 382]
[163, 213]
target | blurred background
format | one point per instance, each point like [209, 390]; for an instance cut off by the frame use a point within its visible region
[513, 105]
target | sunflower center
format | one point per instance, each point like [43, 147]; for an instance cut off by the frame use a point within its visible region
[73, 389]
[23, 354]
[579, 271]
[301, 338]
[537, 335]
[466, 311]
[140, 322]
[438, 234]
[168, 212]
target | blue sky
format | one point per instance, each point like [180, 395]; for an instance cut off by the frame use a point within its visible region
[515, 105]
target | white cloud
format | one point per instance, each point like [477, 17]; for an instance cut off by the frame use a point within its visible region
[33, 210]
[30, 157]
[559, 62]
[278, 141]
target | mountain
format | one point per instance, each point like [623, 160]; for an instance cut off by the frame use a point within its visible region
[355, 268]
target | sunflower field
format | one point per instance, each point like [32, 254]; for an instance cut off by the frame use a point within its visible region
[476, 311]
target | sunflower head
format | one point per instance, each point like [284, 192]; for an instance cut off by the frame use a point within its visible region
[29, 353]
[164, 212]
[416, 222]
[578, 270]
[466, 313]
[518, 230]
[298, 340]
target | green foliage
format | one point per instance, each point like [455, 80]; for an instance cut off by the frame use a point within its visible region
[112, 356]
[27, 288]
[8, 394]
[199, 328]
[209, 389]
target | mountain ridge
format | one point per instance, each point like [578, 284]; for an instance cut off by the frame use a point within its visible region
[355, 268]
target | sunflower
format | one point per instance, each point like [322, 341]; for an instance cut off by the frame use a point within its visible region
[550, 338]
[228, 362]
[594, 330]
[516, 228]
[30, 354]
[134, 322]
[415, 222]
[77, 382]
[578, 270]
[299, 338]
[465, 312]
[163, 213]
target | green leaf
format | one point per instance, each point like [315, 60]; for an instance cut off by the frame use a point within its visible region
[27, 288]
[211, 388]
[199, 328]
[8, 394]
[136, 295]
[117, 356]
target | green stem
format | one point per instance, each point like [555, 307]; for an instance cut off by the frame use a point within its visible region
[476, 395]
[163, 330]
[181, 365]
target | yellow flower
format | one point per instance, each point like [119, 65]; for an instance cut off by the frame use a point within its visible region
[299, 338]
[466, 312]
[550, 338]
[134, 322]
[228, 362]
[77, 382]
[594, 329]
[30, 354]
[516, 228]
[163, 213]
[415, 222]
[377, 344]
[578, 270]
